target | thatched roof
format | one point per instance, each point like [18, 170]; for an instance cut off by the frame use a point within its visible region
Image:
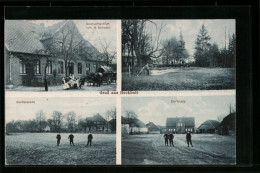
[209, 124]
[152, 127]
[229, 121]
[96, 117]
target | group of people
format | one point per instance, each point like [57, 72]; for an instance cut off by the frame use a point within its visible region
[71, 138]
[70, 82]
[168, 137]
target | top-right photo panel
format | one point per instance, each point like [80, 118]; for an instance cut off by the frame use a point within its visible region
[167, 55]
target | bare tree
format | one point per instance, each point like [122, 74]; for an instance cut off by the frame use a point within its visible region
[71, 120]
[131, 118]
[111, 116]
[66, 43]
[57, 120]
[40, 119]
[137, 42]
[105, 49]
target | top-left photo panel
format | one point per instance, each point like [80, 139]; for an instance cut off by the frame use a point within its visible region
[60, 55]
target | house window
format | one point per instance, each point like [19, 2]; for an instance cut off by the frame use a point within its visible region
[71, 68]
[22, 67]
[60, 67]
[79, 68]
[37, 67]
[179, 124]
[49, 68]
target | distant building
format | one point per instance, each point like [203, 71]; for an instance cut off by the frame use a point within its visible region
[162, 129]
[152, 128]
[228, 125]
[139, 127]
[125, 129]
[209, 126]
[136, 126]
[180, 125]
[98, 123]
[47, 129]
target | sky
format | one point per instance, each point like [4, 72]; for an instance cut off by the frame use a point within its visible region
[158, 109]
[190, 29]
[94, 36]
[83, 107]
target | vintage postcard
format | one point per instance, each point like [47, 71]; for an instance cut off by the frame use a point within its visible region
[159, 55]
[60, 131]
[197, 130]
[57, 55]
[123, 92]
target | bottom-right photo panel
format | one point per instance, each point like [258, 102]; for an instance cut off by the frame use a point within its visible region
[187, 130]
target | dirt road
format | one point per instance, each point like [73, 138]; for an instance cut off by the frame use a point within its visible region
[150, 149]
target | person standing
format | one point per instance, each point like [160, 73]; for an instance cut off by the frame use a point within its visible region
[71, 137]
[58, 137]
[171, 139]
[90, 137]
[188, 138]
[166, 136]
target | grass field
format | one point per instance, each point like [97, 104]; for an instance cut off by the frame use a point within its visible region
[181, 78]
[41, 149]
[150, 149]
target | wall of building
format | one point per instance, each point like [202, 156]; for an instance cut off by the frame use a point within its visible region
[125, 129]
[12, 71]
[181, 130]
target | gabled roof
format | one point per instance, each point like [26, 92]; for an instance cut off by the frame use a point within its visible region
[209, 124]
[189, 121]
[57, 28]
[23, 37]
[26, 37]
[152, 127]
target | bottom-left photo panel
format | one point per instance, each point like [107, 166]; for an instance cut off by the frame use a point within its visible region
[60, 131]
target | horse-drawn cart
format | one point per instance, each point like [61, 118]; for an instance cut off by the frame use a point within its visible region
[109, 75]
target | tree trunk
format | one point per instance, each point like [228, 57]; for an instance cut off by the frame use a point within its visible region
[45, 77]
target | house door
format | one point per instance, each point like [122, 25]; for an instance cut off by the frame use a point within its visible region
[180, 128]
[71, 68]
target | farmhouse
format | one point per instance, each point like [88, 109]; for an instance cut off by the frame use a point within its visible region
[228, 125]
[47, 129]
[209, 126]
[152, 128]
[97, 123]
[139, 127]
[33, 51]
[134, 126]
[180, 124]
